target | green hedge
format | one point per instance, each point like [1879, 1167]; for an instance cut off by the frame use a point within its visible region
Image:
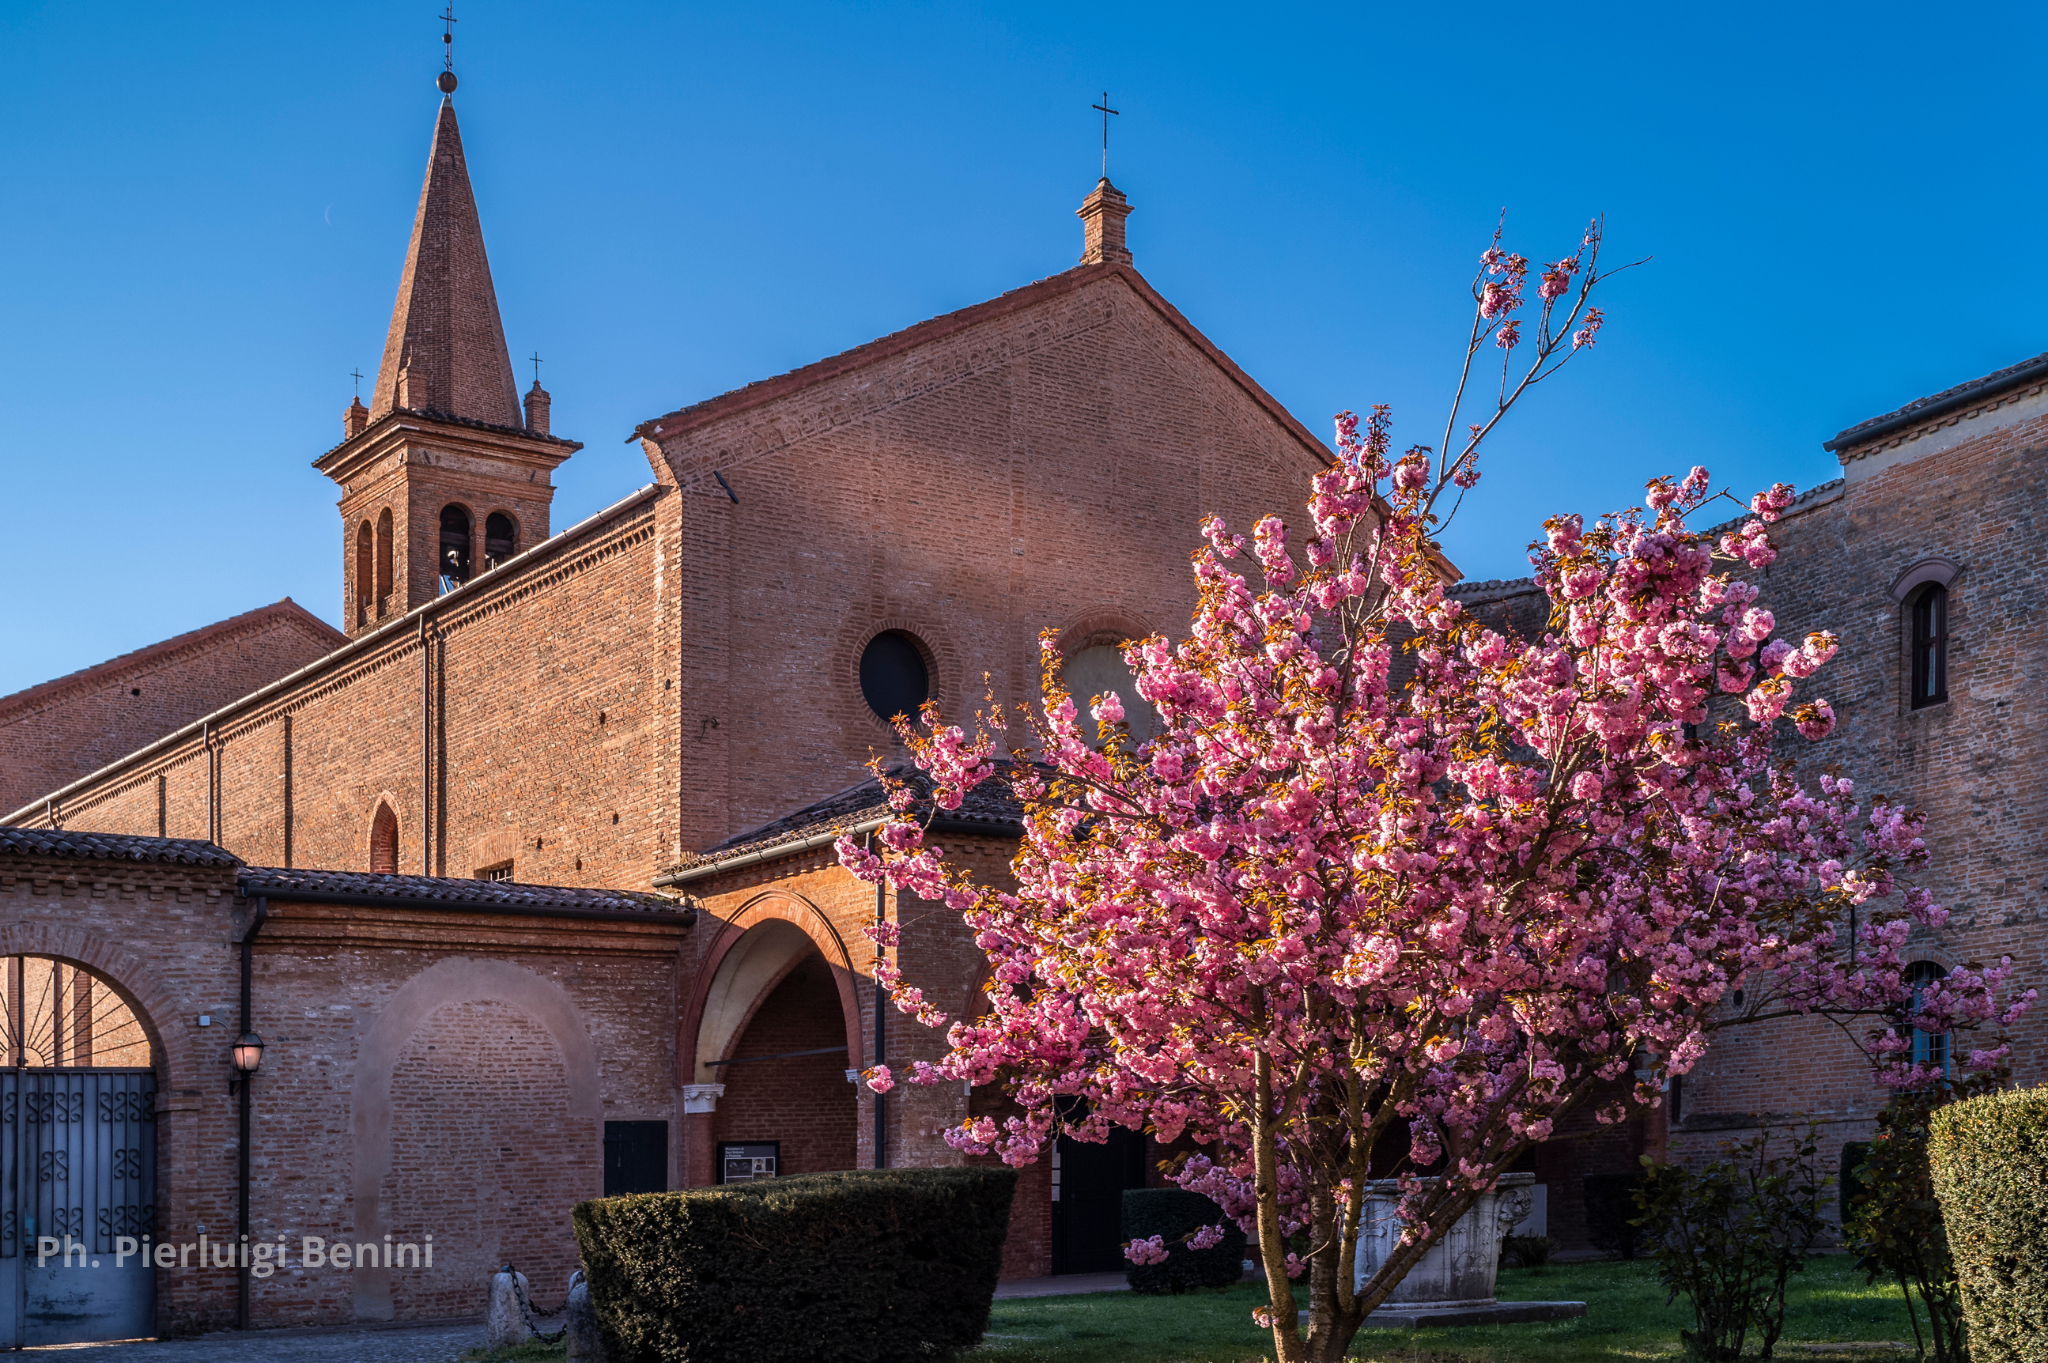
[1173, 1214]
[1990, 1162]
[864, 1267]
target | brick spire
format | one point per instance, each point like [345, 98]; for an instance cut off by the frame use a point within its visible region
[1102, 216]
[446, 351]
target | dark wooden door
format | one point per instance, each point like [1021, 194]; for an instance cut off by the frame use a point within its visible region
[1088, 1200]
[635, 1158]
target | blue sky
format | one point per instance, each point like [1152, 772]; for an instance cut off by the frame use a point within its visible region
[207, 208]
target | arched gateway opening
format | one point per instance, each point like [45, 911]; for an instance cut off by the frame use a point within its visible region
[769, 1039]
[77, 1158]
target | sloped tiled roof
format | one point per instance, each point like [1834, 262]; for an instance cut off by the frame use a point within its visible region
[1947, 400]
[57, 842]
[990, 807]
[287, 610]
[359, 886]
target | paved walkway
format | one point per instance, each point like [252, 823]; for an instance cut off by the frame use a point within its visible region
[342, 1344]
[417, 1343]
[1064, 1285]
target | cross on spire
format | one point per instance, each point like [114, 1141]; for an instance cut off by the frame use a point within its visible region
[357, 375]
[535, 357]
[1106, 112]
[445, 82]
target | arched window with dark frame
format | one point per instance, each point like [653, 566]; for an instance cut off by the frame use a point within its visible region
[501, 539]
[1930, 646]
[455, 559]
[365, 572]
[1930, 1049]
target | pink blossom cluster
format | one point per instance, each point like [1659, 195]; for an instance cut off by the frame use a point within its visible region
[1148, 1251]
[1392, 876]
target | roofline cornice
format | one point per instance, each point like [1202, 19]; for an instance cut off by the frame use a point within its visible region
[507, 572]
[679, 916]
[958, 828]
[1966, 395]
[400, 422]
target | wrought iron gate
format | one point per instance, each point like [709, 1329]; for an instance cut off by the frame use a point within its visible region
[77, 1189]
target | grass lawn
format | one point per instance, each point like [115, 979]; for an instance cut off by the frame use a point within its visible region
[1626, 1321]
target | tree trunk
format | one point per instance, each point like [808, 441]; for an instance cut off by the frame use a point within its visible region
[1287, 1343]
[1330, 1326]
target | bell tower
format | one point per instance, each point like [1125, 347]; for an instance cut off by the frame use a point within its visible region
[443, 476]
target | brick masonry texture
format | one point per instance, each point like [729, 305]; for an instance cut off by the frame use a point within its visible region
[802, 1101]
[62, 730]
[477, 1120]
[679, 669]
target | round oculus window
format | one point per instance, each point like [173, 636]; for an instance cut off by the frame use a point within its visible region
[893, 678]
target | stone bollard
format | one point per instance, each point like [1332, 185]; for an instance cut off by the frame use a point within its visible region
[504, 1323]
[586, 1341]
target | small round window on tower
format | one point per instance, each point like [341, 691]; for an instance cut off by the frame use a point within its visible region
[893, 677]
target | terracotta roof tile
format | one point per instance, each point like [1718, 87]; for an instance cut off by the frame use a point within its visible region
[1947, 400]
[57, 842]
[990, 807]
[356, 886]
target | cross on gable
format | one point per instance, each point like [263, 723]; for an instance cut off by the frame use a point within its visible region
[1106, 112]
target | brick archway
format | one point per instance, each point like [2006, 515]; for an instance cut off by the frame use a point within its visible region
[709, 1023]
[171, 1051]
[768, 907]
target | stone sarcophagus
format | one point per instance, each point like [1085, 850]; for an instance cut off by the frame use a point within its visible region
[1454, 1283]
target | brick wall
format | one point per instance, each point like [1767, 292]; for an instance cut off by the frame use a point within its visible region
[505, 1042]
[484, 1153]
[542, 706]
[1046, 465]
[63, 730]
[1973, 764]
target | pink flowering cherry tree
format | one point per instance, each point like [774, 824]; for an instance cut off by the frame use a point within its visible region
[1388, 877]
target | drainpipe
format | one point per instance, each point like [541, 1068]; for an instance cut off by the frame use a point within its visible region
[426, 751]
[881, 1013]
[242, 1216]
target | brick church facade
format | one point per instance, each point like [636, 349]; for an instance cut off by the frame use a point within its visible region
[529, 864]
[525, 878]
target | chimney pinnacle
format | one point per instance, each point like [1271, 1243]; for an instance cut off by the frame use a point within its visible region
[537, 401]
[1102, 216]
[355, 418]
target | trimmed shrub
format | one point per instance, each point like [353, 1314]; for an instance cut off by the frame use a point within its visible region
[1173, 1214]
[872, 1266]
[1892, 1220]
[1611, 1213]
[1990, 1163]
